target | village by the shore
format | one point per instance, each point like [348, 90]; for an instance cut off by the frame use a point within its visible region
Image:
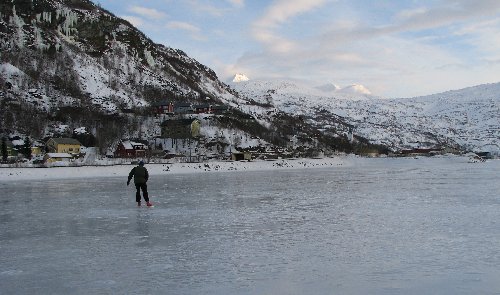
[21, 173]
[111, 169]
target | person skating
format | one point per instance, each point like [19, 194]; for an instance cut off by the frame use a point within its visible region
[141, 175]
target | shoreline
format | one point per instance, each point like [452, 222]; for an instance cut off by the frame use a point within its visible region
[122, 170]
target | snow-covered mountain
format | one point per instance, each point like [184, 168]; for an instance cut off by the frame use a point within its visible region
[71, 63]
[109, 62]
[468, 119]
[68, 64]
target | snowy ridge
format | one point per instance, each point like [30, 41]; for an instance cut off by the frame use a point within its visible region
[468, 118]
[301, 88]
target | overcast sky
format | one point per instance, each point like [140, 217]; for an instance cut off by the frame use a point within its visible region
[398, 48]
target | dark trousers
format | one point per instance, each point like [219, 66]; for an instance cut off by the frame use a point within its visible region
[144, 188]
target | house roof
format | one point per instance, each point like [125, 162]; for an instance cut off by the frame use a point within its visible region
[129, 145]
[17, 142]
[66, 141]
[201, 106]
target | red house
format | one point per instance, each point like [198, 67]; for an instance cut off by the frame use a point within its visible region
[202, 108]
[163, 108]
[130, 149]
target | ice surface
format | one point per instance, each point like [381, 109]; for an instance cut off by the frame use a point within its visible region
[380, 226]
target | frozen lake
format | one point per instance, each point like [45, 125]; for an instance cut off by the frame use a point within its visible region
[380, 226]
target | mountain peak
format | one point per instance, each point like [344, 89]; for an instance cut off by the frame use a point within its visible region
[240, 78]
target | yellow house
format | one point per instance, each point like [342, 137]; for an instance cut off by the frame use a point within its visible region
[57, 157]
[63, 145]
[36, 150]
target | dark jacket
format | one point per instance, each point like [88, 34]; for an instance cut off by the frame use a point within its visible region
[140, 174]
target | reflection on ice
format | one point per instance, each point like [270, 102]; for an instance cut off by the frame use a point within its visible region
[382, 226]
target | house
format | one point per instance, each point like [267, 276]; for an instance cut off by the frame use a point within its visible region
[241, 156]
[163, 108]
[57, 157]
[63, 145]
[183, 108]
[37, 148]
[130, 149]
[181, 129]
[421, 152]
[218, 109]
[202, 108]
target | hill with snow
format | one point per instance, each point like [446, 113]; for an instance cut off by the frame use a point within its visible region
[467, 119]
[71, 63]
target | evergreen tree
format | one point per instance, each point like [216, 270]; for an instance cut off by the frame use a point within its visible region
[26, 150]
[4, 149]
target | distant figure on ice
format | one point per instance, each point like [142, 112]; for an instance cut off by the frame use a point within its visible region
[141, 175]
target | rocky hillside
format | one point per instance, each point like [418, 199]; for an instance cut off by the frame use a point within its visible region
[87, 53]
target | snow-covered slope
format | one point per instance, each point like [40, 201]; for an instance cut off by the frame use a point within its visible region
[77, 49]
[470, 117]
[72, 63]
[467, 118]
